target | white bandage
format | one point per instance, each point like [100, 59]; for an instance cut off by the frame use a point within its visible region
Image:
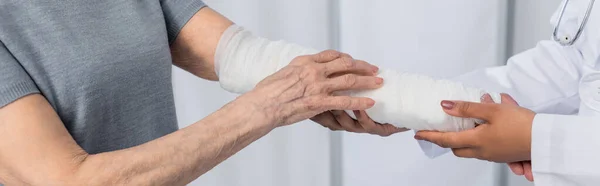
[242, 60]
[411, 101]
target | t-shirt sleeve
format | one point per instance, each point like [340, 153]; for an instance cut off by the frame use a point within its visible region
[14, 80]
[177, 13]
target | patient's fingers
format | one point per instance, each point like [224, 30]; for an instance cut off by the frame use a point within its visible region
[326, 119]
[347, 122]
[372, 127]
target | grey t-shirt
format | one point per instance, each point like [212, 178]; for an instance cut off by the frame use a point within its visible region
[104, 66]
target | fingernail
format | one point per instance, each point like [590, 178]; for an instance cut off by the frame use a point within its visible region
[375, 69]
[417, 137]
[370, 103]
[486, 98]
[356, 113]
[449, 105]
[379, 81]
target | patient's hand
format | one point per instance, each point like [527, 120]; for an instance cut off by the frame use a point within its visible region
[340, 120]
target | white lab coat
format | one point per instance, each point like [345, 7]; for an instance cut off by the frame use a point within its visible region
[561, 84]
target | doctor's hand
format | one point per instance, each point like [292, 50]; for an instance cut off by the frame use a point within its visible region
[506, 137]
[339, 120]
[522, 168]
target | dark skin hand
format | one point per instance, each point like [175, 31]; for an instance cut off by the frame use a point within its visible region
[522, 168]
[506, 137]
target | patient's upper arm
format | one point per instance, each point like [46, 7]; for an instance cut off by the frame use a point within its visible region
[35, 147]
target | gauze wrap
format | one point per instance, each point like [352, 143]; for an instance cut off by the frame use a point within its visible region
[412, 101]
[242, 59]
[405, 100]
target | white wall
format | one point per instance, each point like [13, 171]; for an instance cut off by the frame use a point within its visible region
[532, 22]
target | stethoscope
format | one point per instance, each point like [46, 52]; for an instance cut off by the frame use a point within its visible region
[568, 40]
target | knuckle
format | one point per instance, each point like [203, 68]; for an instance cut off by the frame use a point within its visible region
[332, 53]
[461, 153]
[312, 89]
[345, 55]
[324, 88]
[314, 68]
[299, 59]
[312, 104]
[446, 138]
[443, 141]
[368, 128]
[443, 144]
[327, 55]
[308, 71]
[350, 80]
[347, 63]
[347, 103]
[457, 153]
[325, 71]
[464, 107]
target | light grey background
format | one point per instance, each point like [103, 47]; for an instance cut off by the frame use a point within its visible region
[419, 36]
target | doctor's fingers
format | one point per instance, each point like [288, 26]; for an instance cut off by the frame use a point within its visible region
[464, 109]
[464, 152]
[462, 139]
[528, 172]
[517, 168]
[486, 98]
[507, 99]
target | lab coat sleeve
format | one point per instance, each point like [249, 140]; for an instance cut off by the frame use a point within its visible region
[544, 79]
[564, 150]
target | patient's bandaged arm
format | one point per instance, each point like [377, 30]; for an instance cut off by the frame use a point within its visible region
[405, 100]
[412, 101]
